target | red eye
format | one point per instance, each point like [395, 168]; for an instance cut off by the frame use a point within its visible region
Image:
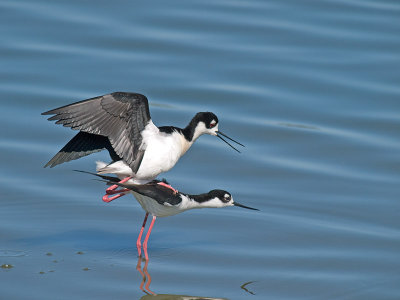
[212, 125]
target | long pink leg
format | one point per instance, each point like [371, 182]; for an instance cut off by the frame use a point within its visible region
[112, 190]
[168, 186]
[113, 187]
[147, 237]
[138, 242]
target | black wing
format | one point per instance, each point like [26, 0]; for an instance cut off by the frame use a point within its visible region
[81, 145]
[118, 116]
[158, 192]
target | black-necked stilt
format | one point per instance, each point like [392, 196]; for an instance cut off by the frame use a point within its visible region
[160, 201]
[120, 122]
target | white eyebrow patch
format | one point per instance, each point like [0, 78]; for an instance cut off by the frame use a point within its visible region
[213, 122]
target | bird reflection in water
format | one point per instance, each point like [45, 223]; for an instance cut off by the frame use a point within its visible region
[146, 278]
[146, 281]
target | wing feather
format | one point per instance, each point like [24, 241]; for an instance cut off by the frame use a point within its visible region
[159, 193]
[119, 116]
[79, 146]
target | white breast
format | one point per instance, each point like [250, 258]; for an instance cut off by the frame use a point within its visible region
[162, 151]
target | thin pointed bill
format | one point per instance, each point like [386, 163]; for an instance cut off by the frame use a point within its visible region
[244, 206]
[219, 133]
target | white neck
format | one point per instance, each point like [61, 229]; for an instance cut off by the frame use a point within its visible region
[199, 130]
[185, 144]
[189, 203]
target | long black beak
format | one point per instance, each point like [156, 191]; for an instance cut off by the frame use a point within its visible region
[219, 133]
[244, 206]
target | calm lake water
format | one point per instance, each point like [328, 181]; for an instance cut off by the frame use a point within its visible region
[310, 87]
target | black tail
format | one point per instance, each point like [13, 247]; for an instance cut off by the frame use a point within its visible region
[107, 178]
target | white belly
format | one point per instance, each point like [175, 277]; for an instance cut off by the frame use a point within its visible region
[154, 208]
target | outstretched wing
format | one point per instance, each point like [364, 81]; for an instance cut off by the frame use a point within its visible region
[118, 116]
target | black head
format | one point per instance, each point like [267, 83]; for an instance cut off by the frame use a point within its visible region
[202, 123]
[209, 119]
[223, 196]
[206, 123]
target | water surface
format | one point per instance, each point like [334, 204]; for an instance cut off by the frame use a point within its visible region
[310, 87]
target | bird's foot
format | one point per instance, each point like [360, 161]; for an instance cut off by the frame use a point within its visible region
[168, 186]
[107, 198]
[112, 190]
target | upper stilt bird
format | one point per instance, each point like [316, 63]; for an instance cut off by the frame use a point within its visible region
[120, 123]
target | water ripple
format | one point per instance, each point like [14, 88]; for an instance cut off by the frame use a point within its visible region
[311, 88]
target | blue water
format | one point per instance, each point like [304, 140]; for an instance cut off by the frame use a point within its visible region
[310, 87]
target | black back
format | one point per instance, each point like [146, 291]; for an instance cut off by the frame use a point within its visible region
[158, 192]
[162, 194]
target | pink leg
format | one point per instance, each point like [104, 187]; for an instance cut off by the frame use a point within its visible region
[168, 186]
[112, 190]
[147, 237]
[107, 199]
[113, 187]
[138, 242]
